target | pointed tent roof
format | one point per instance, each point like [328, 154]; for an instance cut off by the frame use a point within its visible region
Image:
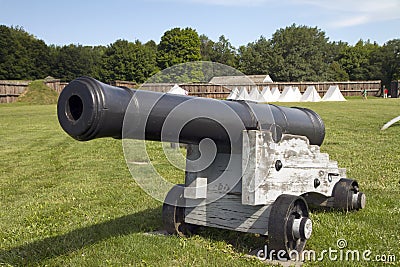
[275, 94]
[333, 94]
[310, 95]
[267, 79]
[266, 95]
[176, 90]
[290, 94]
[296, 93]
[285, 92]
[309, 91]
[243, 95]
[234, 94]
[255, 95]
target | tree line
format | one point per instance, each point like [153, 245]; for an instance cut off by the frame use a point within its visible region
[294, 53]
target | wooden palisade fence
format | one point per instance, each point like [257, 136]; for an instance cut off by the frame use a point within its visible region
[10, 90]
[349, 88]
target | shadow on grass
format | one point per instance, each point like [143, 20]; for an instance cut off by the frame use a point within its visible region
[34, 253]
[145, 221]
[149, 220]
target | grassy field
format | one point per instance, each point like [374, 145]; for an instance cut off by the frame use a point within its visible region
[68, 203]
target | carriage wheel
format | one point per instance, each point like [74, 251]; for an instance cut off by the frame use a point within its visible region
[289, 226]
[173, 213]
[347, 196]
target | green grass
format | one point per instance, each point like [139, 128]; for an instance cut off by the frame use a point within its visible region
[69, 203]
[38, 93]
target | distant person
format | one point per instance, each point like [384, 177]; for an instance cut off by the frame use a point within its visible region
[385, 92]
[365, 93]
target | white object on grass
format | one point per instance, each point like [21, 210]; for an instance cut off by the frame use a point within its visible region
[390, 123]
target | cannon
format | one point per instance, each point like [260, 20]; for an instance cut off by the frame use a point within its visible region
[265, 173]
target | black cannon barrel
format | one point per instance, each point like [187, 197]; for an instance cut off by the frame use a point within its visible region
[89, 109]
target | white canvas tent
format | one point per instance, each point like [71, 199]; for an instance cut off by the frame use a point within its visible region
[255, 95]
[333, 94]
[176, 90]
[290, 94]
[285, 91]
[310, 95]
[243, 94]
[234, 94]
[275, 94]
[267, 79]
[296, 93]
[266, 95]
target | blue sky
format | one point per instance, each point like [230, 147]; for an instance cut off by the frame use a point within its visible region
[103, 22]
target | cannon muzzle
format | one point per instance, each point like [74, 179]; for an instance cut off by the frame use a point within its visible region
[89, 109]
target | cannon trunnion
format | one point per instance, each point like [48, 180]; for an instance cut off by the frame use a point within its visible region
[267, 168]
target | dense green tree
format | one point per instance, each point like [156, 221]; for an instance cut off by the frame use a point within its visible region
[178, 46]
[206, 48]
[129, 61]
[151, 45]
[10, 53]
[223, 52]
[298, 54]
[36, 56]
[294, 53]
[96, 57]
[72, 61]
[335, 72]
[151, 52]
[355, 60]
[255, 58]
[22, 56]
[146, 61]
[387, 61]
[118, 61]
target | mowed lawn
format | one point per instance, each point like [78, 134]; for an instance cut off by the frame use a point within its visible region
[70, 203]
